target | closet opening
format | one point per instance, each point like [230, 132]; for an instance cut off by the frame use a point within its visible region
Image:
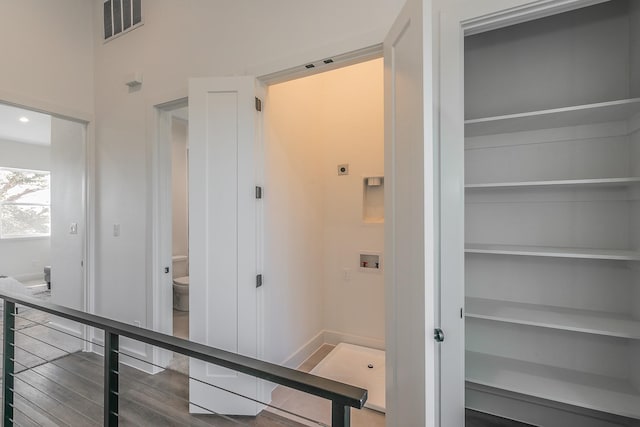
[324, 295]
[552, 218]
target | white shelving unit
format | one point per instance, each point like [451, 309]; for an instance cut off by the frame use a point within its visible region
[552, 219]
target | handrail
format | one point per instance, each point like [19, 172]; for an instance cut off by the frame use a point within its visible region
[342, 395]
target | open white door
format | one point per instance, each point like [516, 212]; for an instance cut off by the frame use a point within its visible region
[68, 230]
[412, 244]
[222, 237]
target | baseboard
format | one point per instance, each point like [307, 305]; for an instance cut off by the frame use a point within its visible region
[64, 328]
[335, 338]
[536, 411]
[305, 351]
[60, 332]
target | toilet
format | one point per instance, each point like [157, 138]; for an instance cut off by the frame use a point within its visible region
[181, 282]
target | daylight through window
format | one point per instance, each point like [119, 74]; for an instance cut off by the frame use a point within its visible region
[25, 199]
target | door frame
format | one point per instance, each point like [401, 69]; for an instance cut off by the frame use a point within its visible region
[88, 195]
[162, 220]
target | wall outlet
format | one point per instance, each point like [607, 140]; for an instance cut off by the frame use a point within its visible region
[116, 230]
[346, 274]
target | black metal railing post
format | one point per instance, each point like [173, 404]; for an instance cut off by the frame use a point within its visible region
[111, 372]
[8, 365]
[340, 415]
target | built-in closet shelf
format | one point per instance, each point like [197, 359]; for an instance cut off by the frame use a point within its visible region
[554, 118]
[597, 392]
[568, 319]
[555, 252]
[597, 182]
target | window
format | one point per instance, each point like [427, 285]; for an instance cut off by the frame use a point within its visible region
[25, 199]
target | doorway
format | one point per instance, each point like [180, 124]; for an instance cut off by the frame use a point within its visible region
[180, 220]
[43, 237]
[172, 216]
[324, 216]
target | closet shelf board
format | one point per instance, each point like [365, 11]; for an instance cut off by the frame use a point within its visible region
[597, 392]
[576, 320]
[597, 182]
[575, 115]
[555, 252]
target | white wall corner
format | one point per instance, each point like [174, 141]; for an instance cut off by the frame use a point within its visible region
[304, 351]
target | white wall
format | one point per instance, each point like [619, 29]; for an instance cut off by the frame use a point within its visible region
[179, 187]
[546, 62]
[293, 219]
[24, 259]
[206, 39]
[352, 119]
[47, 52]
[314, 226]
[67, 207]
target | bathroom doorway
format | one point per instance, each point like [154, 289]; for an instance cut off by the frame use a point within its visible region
[171, 240]
[180, 220]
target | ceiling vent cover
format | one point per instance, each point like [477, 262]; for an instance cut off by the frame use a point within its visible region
[121, 16]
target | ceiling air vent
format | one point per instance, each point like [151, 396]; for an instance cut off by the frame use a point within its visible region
[121, 16]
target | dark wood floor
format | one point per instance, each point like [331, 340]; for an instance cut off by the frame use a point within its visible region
[46, 393]
[68, 391]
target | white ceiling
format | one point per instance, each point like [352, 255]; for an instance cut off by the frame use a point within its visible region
[36, 131]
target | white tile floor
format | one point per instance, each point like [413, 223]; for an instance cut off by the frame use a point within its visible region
[316, 408]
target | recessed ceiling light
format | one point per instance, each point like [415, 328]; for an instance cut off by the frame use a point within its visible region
[24, 119]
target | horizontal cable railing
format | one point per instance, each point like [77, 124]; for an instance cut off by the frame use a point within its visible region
[32, 395]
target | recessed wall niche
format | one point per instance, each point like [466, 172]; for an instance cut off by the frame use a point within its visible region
[373, 199]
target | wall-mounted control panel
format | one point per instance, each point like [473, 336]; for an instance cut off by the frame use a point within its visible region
[343, 169]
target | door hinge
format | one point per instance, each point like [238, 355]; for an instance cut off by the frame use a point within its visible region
[258, 104]
[258, 280]
[438, 335]
[258, 192]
